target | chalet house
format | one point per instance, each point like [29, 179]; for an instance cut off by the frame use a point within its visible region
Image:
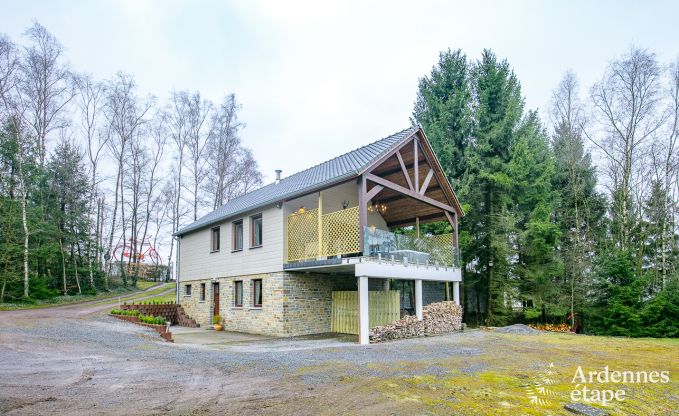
[334, 248]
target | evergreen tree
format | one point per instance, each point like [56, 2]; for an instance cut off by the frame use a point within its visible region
[537, 266]
[579, 209]
[68, 190]
[497, 115]
[443, 109]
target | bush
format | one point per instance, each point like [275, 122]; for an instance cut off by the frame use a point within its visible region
[132, 312]
[156, 320]
[216, 319]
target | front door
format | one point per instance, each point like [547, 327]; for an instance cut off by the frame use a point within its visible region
[215, 298]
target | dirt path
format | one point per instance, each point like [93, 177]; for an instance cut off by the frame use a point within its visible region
[75, 310]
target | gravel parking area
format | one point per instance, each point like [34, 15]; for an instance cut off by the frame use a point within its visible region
[100, 365]
[93, 364]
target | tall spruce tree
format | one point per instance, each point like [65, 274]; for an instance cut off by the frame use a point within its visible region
[444, 110]
[537, 267]
[497, 114]
[579, 208]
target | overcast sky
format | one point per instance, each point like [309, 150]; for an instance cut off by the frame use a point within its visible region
[317, 79]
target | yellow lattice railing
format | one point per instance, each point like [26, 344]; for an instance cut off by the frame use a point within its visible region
[439, 248]
[340, 234]
[303, 235]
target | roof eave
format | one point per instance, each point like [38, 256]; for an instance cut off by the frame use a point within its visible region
[291, 195]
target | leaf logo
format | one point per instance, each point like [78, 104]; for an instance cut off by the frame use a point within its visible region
[538, 392]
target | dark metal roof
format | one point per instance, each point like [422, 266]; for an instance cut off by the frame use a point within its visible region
[340, 168]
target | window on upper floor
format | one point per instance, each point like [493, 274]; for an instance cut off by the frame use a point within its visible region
[238, 235]
[214, 239]
[256, 231]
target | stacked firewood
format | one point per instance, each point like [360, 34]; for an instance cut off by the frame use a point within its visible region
[437, 317]
[442, 317]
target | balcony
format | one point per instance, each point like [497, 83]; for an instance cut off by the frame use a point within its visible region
[428, 250]
[313, 237]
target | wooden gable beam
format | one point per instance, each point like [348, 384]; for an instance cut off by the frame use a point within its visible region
[427, 179]
[374, 191]
[410, 193]
[416, 168]
[386, 156]
[453, 222]
[433, 162]
[404, 169]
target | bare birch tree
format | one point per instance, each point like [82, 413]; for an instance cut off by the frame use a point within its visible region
[14, 112]
[125, 115]
[196, 145]
[45, 85]
[89, 102]
[233, 170]
[627, 101]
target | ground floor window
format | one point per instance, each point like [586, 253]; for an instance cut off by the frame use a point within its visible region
[187, 290]
[202, 292]
[257, 293]
[238, 293]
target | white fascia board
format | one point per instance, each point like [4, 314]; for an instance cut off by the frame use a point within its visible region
[399, 271]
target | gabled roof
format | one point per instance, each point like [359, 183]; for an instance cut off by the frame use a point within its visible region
[335, 170]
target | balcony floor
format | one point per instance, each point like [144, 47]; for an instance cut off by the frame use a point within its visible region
[371, 267]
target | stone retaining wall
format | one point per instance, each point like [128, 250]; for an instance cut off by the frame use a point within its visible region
[166, 310]
[160, 329]
[438, 318]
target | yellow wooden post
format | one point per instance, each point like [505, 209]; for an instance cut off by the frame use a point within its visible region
[320, 224]
[417, 226]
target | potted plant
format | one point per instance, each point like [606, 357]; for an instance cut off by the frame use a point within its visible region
[217, 323]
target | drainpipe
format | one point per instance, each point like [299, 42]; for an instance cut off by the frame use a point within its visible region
[177, 265]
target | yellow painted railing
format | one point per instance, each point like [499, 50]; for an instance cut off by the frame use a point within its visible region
[384, 307]
[338, 234]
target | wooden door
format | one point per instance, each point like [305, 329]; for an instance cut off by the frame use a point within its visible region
[215, 298]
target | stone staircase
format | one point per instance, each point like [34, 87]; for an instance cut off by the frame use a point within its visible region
[184, 320]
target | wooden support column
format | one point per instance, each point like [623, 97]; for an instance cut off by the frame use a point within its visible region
[363, 313]
[416, 169]
[319, 255]
[362, 210]
[418, 299]
[417, 227]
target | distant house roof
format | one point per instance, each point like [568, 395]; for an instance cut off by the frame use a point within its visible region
[340, 168]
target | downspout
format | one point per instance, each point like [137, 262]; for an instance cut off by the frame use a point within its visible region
[177, 263]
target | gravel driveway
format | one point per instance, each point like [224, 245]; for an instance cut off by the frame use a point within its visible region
[78, 361]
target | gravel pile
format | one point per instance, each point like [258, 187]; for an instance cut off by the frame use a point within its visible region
[518, 329]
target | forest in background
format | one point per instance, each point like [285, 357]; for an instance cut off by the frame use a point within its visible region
[568, 221]
[573, 219]
[90, 167]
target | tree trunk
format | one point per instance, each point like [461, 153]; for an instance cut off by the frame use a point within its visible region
[63, 265]
[24, 223]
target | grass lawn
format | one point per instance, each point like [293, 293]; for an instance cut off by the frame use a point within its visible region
[156, 291]
[170, 297]
[520, 375]
[143, 284]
